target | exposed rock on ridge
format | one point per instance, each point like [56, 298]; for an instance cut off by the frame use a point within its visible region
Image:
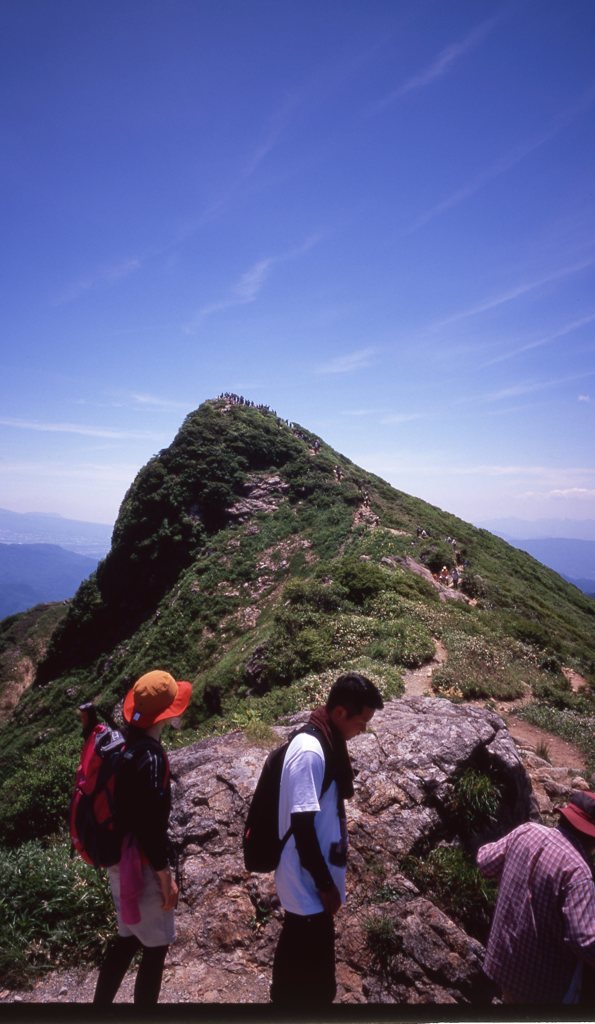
[228, 921]
[262, 494]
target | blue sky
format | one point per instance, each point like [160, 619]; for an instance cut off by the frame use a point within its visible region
[377, 217]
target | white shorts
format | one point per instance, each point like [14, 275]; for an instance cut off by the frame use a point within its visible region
[156, 926]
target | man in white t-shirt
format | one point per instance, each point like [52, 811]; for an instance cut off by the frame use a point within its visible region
[316, 780]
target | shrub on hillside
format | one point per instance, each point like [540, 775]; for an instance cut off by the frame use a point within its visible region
[362, 581]
[474, 585]
[35, 797]
[555, 691]
[54, 910]
[382, 941]
[325, 597]
[435, 554]
[530, 631]
[479, 667]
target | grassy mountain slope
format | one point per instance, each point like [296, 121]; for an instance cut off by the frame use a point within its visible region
[255, 561]
[24, 639]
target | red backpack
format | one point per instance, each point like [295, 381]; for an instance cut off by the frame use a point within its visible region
[94, 830]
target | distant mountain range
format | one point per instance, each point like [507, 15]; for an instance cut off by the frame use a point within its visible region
[527, 529]
[32, 574]
[572, 558]
[91, 539]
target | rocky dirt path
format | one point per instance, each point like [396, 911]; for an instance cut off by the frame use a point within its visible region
[560, 753]
[418, 681]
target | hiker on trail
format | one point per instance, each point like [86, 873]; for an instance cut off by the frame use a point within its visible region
[544, 922]
[310, 878]
[144, 891]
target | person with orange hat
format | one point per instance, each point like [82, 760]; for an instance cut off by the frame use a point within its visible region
[144, 891]
[543, 931]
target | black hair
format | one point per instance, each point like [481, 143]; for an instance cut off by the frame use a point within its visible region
[354, 692]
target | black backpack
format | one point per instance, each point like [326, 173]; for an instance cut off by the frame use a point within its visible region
[261, 844]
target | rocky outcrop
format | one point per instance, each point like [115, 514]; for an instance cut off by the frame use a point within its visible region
[228, 920]
[262, 494]
[394, 945]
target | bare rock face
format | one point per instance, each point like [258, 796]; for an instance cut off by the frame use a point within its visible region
[262, 494]
[393, 944]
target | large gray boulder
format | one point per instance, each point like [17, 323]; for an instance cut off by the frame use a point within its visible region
[228, 921]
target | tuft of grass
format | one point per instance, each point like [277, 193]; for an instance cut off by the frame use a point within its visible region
[382, 941]
[455, 884]
[475, 798]
[54, 911]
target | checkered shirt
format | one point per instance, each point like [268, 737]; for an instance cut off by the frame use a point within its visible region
[545, 912]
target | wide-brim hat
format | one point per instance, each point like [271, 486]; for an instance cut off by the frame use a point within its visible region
[580, 811]
[155, 697]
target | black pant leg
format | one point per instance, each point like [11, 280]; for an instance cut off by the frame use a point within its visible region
[118, 959]
[150, 973]
[304, 964]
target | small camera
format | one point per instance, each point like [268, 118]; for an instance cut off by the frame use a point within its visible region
[338, 854]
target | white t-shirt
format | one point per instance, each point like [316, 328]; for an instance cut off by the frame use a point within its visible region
[301, 783]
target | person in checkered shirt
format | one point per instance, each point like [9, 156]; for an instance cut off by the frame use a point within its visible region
[543, 931]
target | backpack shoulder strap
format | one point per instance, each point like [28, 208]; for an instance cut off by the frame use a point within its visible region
[329, 766]
[137, 753]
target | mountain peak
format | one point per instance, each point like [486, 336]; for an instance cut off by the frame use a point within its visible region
[249, 556]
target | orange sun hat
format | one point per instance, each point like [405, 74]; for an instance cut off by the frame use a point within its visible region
[155, 697]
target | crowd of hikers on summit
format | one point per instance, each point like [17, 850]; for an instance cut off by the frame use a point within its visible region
[542, 939]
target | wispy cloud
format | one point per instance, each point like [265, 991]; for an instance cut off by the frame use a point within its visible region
[350, 362]
[247, 167]
[515, 293]
[249, 285]
[507, 162]
[584, 398]
[79, 471]
[414, 466]
[361, 412]
[444, 62]
[145, 401]
[562, 332]
[80, 429]
[105, 275]
[573, 492]
[400, 417]
[529, 387]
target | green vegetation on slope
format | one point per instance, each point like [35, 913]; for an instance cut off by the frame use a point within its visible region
[24, 639]
[261, 610]
[53, 910]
